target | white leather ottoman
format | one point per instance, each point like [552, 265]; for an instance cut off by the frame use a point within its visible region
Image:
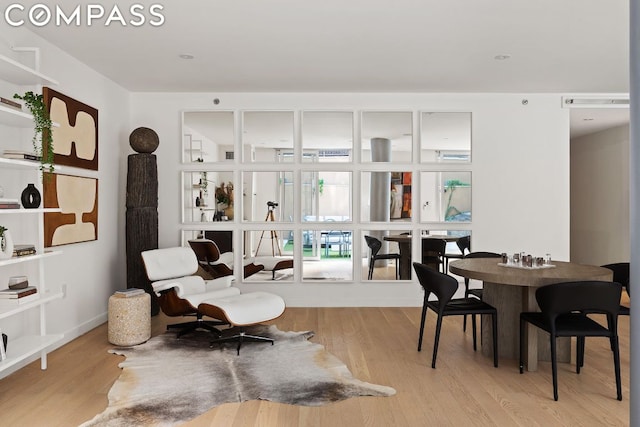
[243, 310]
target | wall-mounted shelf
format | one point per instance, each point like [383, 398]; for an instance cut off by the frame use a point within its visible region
[15, 72]
[27, 258]
[8, 311]
[23, 211]
[16, 118]
[25, 164]
[22, 347]
[19, 349]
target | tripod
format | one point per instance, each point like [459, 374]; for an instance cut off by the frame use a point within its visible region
[275, 243]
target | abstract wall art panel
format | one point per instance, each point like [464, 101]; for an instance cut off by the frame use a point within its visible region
[75, 140]
[77, 198]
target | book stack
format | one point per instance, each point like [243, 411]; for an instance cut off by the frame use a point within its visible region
[10, 103]
[23, 250]
[9, 203]
[18, 296]
[127, 293]
[21, 155]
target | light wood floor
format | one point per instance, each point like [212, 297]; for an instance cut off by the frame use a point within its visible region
[378, 345]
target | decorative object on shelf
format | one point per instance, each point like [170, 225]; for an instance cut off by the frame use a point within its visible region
[142, 208]
[23, 250]
[30, 197]
[3, 348]
[78, 197]
[224, 199]
[18, 282]
[6, 243]
[9, 203]
[76, 138]
[11, 103]
[42, 137]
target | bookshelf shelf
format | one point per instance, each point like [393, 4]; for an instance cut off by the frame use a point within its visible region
[21, 347]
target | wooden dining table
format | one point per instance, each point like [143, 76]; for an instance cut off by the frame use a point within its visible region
[404, 246]
[512, 290]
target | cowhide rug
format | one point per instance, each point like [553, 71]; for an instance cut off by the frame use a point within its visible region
[167, 381]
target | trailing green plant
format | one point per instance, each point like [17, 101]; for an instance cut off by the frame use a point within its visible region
[2, 230]
[42, 136]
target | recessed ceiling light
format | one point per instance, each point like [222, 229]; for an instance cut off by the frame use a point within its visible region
[501, 57]
[186, 56]
[588, 119]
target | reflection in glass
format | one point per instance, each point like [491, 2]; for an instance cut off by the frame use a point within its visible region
[327, 254]
[267, 196]
[396, 127]
[208, 136]
[458, 244]
[386, 255]
[326, 196]
[386, 196]
[208, 196]
[445, 196]
[265, 133]
[445, 137]
[273, 250]
[327, 136]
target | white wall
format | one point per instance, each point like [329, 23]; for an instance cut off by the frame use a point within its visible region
[520, 174]
[600, 197]
[92, 271]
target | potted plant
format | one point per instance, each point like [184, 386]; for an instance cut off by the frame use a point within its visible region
[42, 136]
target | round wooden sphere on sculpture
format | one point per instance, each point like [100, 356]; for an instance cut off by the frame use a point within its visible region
[144, 140]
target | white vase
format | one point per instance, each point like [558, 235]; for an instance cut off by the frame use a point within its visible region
[6, 245]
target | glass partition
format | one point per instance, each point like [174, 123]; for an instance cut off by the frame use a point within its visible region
[457, 243]
[267, 196]
[327, 136]
[386, 255]
[445, 196]
[271, 249]
[208, 136]
[264, 134]
[445, 137]
[386, 196]
[208, 195]
[327, 254]
[387, 136]
[326, 196]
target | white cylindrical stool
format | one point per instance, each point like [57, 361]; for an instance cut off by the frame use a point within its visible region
[129, 319]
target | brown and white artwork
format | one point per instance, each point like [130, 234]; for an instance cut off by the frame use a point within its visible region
[77, 198]
[75, 140]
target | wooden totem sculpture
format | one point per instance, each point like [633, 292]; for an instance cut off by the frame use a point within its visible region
[142, 208]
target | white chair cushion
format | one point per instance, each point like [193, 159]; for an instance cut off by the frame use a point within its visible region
[218, 283]
[190, 285]
[184, 285]
[247, 309]
[197, 299]
[169, 263]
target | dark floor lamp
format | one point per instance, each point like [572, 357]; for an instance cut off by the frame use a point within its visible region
[142, 208]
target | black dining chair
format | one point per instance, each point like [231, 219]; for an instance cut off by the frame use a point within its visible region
[433, 250]
[464, 245]
[444, 287]
[621, 275]
[565, 309]
[476, 292]
[374, 245]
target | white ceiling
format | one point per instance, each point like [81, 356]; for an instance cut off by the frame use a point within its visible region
[567, 46]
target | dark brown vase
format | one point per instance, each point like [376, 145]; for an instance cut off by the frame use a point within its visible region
[30, 197]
